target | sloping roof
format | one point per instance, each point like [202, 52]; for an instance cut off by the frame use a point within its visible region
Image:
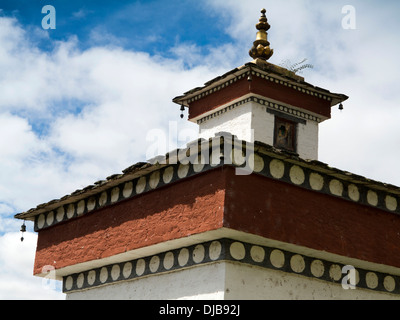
[263, 67]
[385, 195]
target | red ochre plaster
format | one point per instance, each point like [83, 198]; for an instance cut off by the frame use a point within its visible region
[218, 198]
[191, 206]
[287, 213]
[264, 88]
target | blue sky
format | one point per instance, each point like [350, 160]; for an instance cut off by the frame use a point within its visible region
[150, 26]
[85, 100]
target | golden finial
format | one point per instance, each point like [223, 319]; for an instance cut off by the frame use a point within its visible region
[261, 49]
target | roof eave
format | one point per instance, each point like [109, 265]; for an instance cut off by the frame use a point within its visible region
[266, 68]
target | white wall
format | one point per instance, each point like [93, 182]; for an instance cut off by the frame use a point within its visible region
[201, 282]
[236, 121]
[254, 283]
[251, 122]
[262, 123]
[229, 281]
[307, 140]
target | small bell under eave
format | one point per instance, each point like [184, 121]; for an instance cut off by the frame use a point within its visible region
[182, 110]
[23, 229]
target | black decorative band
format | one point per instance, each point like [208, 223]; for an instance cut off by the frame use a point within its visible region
[272, 106]
[229, 250]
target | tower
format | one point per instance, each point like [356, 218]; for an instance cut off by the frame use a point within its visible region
[179, 228]
[260, 101]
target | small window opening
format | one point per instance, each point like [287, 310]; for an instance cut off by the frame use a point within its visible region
[285, 134]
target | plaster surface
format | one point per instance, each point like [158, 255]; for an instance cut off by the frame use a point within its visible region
[227, 281]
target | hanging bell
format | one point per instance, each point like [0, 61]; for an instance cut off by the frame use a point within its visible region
[182, 110]
[23, 229]
[341, 107]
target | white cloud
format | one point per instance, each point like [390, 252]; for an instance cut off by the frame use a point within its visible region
[16, 280]
[121, 95]
[7, 224]
[24, 158]
[81, 13]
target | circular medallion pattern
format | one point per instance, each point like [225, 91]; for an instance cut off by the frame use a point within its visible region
[277, 258]
[335, 272]
[115, 272]
[214, 250]
[257, 254]
[70, 210]
[389, 283]
[297, 175]
[277, 169]
[317, 268]
[183, 170]
[198, 253]
[354, 193]
[316, 181]
[103, 198]
[141, 185]
[168, 174]
[183, 257]
[256, 163]
[50, 218]
[391, 203]
[237, 251]
[114, 194]
[69, 282]
[128, 189]
[91, 278]
[80, 207]
[371, 280]
[127, 270]
[41, 220]
[336, 187]
[168, 260]
[154, 263]
[60, 214]
[140, 267]
[154, 179]
[91, 203]
[372, 198]
[80, 280]
[297, 263]
[103, 275]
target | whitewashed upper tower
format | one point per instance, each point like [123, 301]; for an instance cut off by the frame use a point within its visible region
[262, 102]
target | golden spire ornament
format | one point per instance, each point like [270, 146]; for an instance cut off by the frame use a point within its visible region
[261, 49]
